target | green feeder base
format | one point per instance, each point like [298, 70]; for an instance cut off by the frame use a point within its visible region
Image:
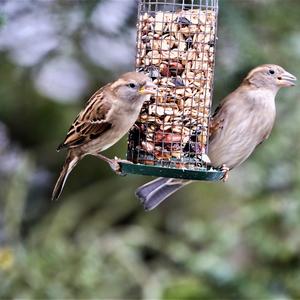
[158, 171]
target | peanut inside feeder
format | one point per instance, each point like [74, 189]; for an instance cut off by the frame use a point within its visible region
[176, 47]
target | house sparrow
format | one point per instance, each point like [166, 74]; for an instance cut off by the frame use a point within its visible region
[242, 121]
[108, 115]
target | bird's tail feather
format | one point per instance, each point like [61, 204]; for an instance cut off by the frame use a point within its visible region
[156, 191]
[68, 166]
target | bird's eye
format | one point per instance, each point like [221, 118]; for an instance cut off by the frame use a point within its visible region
[271, 71]
[132, 85]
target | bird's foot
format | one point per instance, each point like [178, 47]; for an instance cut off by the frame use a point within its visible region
[115, 164]
[225, 170]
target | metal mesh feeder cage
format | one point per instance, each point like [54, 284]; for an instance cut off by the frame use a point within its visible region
[176, 47]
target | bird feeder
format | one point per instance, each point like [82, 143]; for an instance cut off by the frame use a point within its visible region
[176, 43]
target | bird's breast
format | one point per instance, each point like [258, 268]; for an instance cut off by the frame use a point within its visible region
[244, 127]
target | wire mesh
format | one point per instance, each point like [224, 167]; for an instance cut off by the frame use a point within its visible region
[176, 47]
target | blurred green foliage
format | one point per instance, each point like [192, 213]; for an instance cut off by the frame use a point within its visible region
[239, 240]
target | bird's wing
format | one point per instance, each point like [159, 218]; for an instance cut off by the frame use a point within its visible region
[216, 121]
[91, 122]
[220, 115]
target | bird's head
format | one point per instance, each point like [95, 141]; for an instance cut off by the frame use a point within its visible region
[270, 76]
[133, 87]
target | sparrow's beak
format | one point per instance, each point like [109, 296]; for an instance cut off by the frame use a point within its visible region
[148, 89]
[286, 79]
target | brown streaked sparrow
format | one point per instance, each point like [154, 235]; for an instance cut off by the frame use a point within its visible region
[242, 121]
[107, 117]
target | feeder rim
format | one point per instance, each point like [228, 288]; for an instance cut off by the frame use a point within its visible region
[204, 174]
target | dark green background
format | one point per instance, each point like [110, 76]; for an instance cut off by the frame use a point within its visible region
[239, 240]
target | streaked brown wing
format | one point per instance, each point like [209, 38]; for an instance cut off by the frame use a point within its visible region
[216, 121]
[90, 123]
